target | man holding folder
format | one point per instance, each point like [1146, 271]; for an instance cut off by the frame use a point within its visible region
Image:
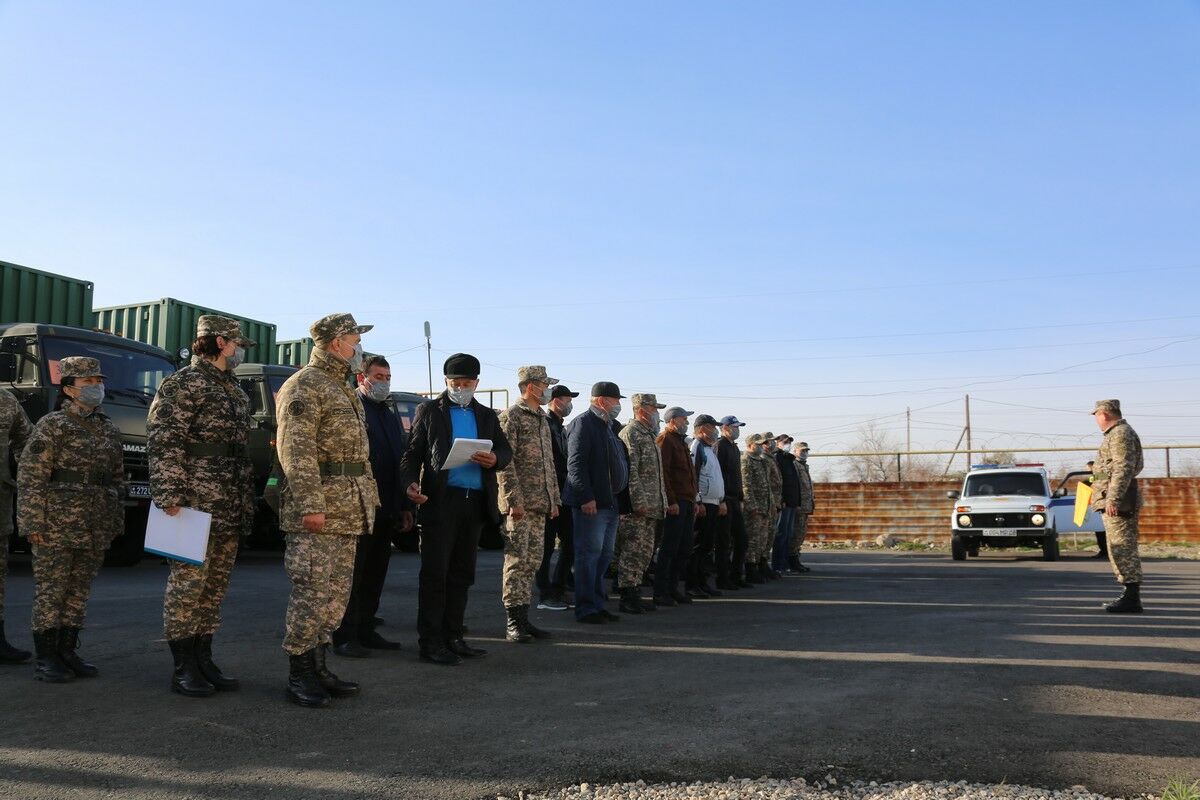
[453, 505]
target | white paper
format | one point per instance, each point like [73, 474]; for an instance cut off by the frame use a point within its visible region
[183, 537]
[462, 450]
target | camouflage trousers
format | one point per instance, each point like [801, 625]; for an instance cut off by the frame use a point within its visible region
[1122, 535]
[798, 532]
[321, 569]
[6, 510]
[524, 540]
[635, 547]
[758, 532]
[62, 582]
[192, 603]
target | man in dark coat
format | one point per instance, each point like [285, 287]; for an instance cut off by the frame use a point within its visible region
[785, 525]
[552, 586]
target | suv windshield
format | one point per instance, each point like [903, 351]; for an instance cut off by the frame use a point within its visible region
[1020, 483]
[136, 372]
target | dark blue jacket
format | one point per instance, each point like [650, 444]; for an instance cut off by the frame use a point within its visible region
[596, 465]
[386, 439]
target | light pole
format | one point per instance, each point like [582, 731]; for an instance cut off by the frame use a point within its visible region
[429, 356]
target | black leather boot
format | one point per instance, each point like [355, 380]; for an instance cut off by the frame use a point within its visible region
[332, 683]
[68, 642]
[631, 603]
[1130, 601]
[530, 628]
[8, 653]
[764, 569]
[50, 667]
[187, 679]
[794, 563]
[513, 630]
[752, 576]
[208, 669]
[304, 688]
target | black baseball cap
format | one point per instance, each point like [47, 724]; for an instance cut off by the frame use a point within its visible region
[562, 391]
[606, 389]
[705, 419]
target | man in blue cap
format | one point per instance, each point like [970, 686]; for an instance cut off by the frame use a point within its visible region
[732, 526]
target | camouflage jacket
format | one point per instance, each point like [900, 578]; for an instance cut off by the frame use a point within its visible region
[775, 481]
[1116, 469]
[529, 480]
[322, 429]
[756, 484]
[201, 405]
[806, 488]
[15, 429]
[71, 480]
[647, 491]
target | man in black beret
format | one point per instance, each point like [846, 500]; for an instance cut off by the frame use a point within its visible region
[453, 505]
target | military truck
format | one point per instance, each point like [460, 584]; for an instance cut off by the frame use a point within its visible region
[261, 382]
[29, 357]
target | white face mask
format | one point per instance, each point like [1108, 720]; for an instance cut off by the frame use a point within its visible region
[567, 408]
[237, 359]
[614, 411]
[546, 398]
[460, 397]
[377, 390]
[734, 433]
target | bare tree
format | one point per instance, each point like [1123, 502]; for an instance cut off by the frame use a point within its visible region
[872, 462]
[999, 457]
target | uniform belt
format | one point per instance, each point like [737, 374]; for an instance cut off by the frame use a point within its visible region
[350, 469]
[215, 449]
[75, 476]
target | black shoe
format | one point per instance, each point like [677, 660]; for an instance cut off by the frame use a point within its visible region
[680, 598]
[211, 672]
[330, 682]
[664, 601]
[304, 687]
[752, 576]
[728, 586]
[377, 621]
[373, 641]
[459, 647]
[50, 667]
[514, 631]
[595, 618]
[803, 568]
[187, 678]
[611, 617]
[709, 590]
[647, 605]
[696, 593]
[793, 563]
[351, 649]
[8, 653]
[440, 655]
[530, 628]
[1130, 601]
[1102, 554]
[68, 642]
[630, 602]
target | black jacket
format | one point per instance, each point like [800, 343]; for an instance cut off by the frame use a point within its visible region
[386, 441]
[791, 481]
[429, 444]
[558, 442]
[730, 459]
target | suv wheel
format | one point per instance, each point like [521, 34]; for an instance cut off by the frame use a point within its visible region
[958, 550]
[1050, 548]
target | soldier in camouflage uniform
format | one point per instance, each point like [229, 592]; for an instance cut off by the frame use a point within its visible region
[775, 480]
[528, 497]
[69, 488]
[756, 484]
[14, 431]
[328, 499]
[806, 506]
[196, 440]
[647, 498]
[1115, 495]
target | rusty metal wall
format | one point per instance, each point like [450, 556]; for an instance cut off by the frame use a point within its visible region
[863, 511]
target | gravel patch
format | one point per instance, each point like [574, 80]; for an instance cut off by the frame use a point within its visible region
[799, 789]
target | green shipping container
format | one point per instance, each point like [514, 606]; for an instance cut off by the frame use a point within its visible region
[293, 352]
[171, 325]
[30, 295]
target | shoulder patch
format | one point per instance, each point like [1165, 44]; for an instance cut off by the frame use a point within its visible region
[37, 447]
[169, 389]
[296, 408]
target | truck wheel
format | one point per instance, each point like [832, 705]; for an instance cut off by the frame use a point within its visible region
[1050, 548]
[958, 550]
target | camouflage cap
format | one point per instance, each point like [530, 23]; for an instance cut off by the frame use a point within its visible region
[767, 435]
[754, 438]
[216, 325]
[1110, 407]
[643, 399]
[79, 367]
[802, 445]
[326, 329]
[534, 373]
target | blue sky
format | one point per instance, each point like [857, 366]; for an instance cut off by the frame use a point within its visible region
[809, 215]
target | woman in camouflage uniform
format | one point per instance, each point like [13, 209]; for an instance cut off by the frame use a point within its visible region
[196, 438]
[69, 489]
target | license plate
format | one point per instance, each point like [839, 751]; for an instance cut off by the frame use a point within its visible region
[999, 532]
[139, 490]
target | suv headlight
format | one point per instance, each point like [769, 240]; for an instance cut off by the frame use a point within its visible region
[1038, 519]
[964, 521]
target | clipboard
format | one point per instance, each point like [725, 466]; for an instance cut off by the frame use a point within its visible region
[183, 537]
[462, 450]
[1083, 499]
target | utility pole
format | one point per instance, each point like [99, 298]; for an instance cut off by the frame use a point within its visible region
[968, 429]
[908, 437]
[429, 356]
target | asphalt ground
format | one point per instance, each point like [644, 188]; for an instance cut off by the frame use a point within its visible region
[876, 666]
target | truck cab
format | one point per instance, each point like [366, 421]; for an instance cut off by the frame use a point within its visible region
[1003, 505]
[29, 358]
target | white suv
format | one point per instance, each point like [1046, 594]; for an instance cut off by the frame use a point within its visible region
[1003, 505]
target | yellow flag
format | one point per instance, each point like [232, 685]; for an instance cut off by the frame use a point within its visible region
[1083, 499]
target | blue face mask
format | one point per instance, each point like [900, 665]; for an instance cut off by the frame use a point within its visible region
[236, 360]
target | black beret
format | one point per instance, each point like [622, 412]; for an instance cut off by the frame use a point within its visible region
[461, 365]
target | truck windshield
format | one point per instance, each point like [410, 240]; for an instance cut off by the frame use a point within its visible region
[125, 369]
[996, 483]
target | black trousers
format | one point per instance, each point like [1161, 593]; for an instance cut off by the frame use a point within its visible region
[675, 549]
[449, 544]
[738, 540]
[372, 555]
[700, 563]
[554, 582]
